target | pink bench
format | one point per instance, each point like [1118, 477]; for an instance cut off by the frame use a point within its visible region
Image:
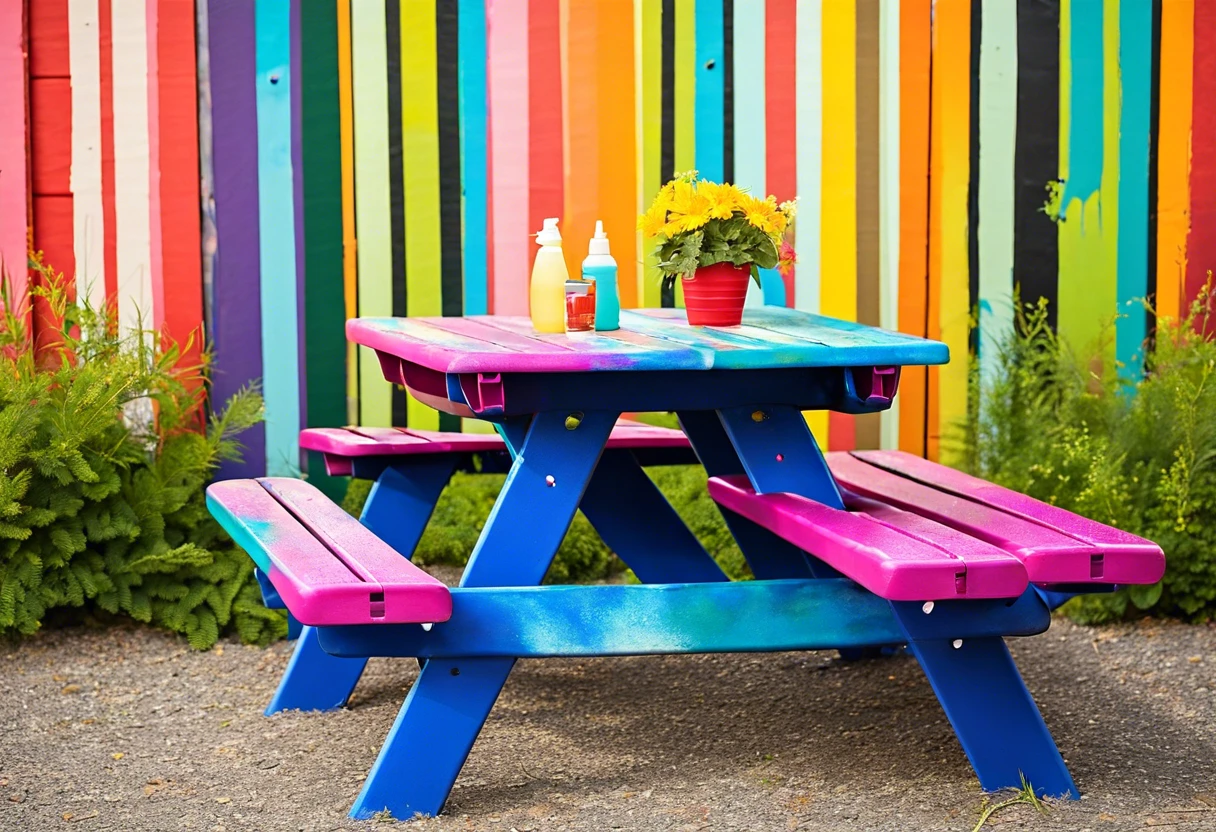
[342, 446]
[326, 566]
[913, 530]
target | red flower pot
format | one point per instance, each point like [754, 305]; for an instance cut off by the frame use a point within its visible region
[714, 295]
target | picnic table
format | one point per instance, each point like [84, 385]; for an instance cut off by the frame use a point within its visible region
[904, 552]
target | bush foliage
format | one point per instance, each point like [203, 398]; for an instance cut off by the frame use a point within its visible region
[103, 464]
[1133, 451]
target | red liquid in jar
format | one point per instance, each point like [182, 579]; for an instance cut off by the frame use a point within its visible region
[580, 306]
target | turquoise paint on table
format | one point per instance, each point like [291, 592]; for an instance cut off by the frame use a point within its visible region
[710, 93]
[651, 339]
[277, 254]
[1085, 144]
[472, 72]
[1135, 64]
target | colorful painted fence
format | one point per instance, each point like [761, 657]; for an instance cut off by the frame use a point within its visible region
[381, 157]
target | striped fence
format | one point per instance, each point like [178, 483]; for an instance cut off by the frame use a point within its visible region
[333, 158]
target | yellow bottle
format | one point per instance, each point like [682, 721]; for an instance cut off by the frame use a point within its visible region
[547, 294]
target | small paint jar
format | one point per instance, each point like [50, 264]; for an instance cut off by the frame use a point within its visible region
[580, 305]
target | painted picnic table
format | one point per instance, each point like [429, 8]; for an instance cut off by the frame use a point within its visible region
[740, 394]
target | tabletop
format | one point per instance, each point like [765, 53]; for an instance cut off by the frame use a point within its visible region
[649, 339]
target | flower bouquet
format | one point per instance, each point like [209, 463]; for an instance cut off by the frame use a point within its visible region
[714, 236]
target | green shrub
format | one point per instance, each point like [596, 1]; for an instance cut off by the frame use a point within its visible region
[103, 462]
[1137, 454]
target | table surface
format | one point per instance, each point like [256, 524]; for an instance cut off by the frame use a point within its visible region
[649, 339]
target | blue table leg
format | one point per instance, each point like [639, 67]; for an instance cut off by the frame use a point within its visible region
[993, 714]
[636, 521]
[451, 699]
[397, 510]
[769, 556]
[778, 452]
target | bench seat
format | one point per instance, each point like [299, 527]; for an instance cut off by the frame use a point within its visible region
[1057, 546]
[342, 445]
[326, 566]
[894, 554]
[916, 530]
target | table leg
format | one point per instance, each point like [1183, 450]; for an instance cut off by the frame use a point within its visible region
[769, 556]
[451, 699]
[993, 714]
[640, 526]
[397, 510]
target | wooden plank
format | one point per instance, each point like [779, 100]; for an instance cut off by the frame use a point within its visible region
[648, 123]
[1089, 171]
[888, 192]
[48, 39]
[277, 237]
[88, 213]
[795, 339]
[236, 311]
[135, 276]
[509, 165]
[14, 162]
[350, 263]
[420, 171]
[733, 617]
[324, 347]
[1175, 95]
[180, 237]
[53, 237]
[372, 202]
[474, 163]
[838, 182]
[302, 541]
[156, 258]
[1201, 242]
[915, 22]
[51, 138]
[409, 593]
[885, 560]
[781, 131]
[964, 485]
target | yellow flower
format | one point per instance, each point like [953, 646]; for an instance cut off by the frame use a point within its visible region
[720, 198]
[652, 223]
[689, 209]
[761, 214]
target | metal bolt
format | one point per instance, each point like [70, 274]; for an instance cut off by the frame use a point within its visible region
[549, 481]
[928, 607]
[958, 642]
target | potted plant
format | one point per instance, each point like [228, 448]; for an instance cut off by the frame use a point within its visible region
[714, 236]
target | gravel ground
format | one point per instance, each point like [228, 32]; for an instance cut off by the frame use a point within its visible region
[128, 729]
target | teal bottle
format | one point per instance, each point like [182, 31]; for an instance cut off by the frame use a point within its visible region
[601, 268]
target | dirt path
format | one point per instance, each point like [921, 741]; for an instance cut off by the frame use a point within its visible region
[126, 729]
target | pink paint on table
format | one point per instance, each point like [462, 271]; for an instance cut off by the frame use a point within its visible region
[327, 567]
[363, 442]
[1050, 555]
[891, 556]
[1116, 556]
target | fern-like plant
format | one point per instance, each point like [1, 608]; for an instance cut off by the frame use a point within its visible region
[104, 456]
[1134, 451]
